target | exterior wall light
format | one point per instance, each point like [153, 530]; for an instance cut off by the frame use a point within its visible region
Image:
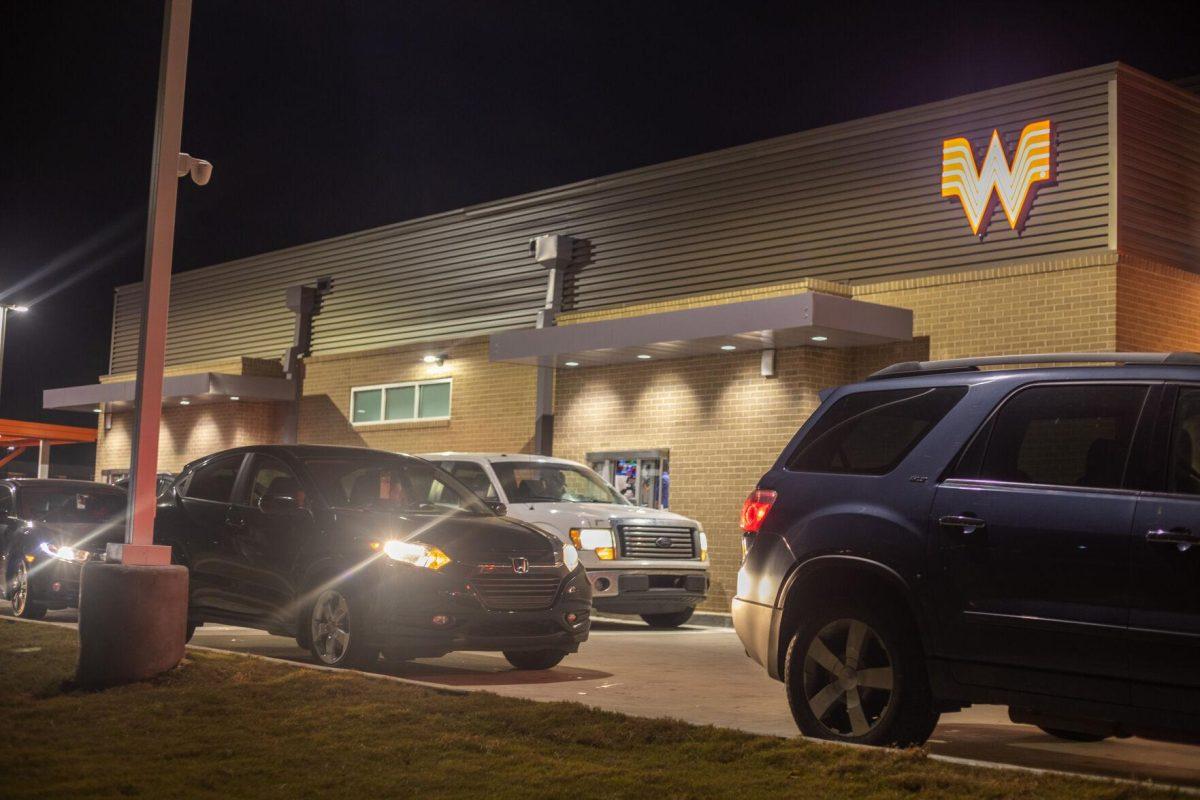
[439, 360]
[185, 402]
[820, 338]
[572, 363]
[644, 357]
[728, 347]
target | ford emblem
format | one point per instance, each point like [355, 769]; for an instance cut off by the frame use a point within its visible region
[662, 541]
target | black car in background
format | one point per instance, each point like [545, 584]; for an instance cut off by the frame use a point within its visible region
[941, 535]
[48, 529]
[355, 552]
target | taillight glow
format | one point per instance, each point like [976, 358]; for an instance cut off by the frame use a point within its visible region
[755, 509]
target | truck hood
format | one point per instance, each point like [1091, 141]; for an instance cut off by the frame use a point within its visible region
[561, 517]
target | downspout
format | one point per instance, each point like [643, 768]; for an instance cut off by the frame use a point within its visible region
[305, 303]
[554, 253]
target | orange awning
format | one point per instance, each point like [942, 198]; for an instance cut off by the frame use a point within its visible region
[15, 433]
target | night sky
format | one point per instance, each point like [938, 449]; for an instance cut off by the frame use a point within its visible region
[323, 118]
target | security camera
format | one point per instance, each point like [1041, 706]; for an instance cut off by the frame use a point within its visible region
[198, 168]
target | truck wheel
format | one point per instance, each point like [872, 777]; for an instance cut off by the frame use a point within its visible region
[857, 674]
[18, 593]
[671, 620]
[333, 639]
[534, 659]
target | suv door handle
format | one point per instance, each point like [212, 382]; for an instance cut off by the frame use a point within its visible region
[968, 523]
[1180, 537]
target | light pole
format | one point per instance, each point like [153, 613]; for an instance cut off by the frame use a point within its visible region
[4, 309]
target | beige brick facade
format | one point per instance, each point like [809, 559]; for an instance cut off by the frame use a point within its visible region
[492, 404]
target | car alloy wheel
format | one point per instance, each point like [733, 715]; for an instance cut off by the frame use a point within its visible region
[19, 590]
[331, 627]
[848, 678]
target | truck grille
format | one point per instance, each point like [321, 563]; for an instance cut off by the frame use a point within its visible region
[516, 592]
[657, 541]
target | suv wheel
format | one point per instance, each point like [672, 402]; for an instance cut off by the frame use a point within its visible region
[333, 640]
[670, 620]
[18, 594]
[856, 674]
[534, 659]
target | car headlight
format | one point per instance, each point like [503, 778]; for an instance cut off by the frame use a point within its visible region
[598, 539]
[703, 546]
[570, 557]
[64, 553]
[419, 555]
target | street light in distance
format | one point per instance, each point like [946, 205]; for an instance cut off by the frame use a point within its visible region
[4, 311]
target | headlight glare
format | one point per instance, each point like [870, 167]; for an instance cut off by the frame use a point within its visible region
[570, 557]
[419, 555]
[64, 552]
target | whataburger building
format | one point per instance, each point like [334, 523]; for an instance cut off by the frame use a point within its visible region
[697, 307]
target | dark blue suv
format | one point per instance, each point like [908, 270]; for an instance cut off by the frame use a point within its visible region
[941, 535]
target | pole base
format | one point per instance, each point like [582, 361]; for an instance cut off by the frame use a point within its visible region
[132, 622]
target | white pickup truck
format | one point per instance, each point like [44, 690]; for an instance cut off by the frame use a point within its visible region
[642, 561]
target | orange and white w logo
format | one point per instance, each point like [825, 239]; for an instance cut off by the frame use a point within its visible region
[1031, 165]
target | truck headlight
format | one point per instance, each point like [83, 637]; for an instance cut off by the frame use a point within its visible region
[703, 546]
[419, 555]
[598, 539]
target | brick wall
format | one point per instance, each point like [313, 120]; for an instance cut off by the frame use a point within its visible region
[189, 432]
[1158, 307]
[492, 404]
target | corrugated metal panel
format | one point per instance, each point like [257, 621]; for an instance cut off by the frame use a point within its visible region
[852, 202]
[1158, 164]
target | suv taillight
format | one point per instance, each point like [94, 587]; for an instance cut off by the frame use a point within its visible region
[755, 509]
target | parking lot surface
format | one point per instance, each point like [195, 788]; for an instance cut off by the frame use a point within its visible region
[700, 674]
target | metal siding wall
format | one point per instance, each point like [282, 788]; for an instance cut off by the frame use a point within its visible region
[1158, 167]
[859, 201]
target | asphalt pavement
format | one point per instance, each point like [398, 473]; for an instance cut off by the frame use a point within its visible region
[701, 675]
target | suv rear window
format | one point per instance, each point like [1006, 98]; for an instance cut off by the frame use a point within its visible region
[870, 433]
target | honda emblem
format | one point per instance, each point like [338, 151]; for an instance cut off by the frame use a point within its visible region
[521, 565]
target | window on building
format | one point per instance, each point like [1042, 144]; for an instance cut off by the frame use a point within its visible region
[643, 477]
[214, 480]
[870, 433]
[400, 401]
[1058, 436]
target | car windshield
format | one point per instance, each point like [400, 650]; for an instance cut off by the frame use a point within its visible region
[396, 485]
[538, 482]
[50, 504]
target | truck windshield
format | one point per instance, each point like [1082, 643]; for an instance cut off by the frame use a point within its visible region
[391, 485]
[534, 482]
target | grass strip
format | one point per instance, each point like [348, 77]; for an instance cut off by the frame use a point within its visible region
[226, 726]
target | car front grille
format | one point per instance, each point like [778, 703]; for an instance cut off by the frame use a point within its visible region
[516, 592]
[657, 541]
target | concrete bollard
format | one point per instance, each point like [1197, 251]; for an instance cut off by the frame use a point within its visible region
[132, 622]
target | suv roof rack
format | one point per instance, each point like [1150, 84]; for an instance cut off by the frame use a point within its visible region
[973, 364]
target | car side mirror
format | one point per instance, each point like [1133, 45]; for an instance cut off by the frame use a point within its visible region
[497, 506]
[279, 504]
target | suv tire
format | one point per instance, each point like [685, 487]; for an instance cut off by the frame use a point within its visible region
[1073, 736]
[535, 659]
[672, 619]
[856, 673]
[335, 637]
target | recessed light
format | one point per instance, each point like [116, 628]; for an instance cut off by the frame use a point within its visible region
[820, 338]
[185, 402]
[729, 347]
[572, 363]
[235, 397]
[644, 357]
[98, 410]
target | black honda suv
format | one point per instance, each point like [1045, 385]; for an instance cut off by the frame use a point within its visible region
[941, 535]
[356, 552]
